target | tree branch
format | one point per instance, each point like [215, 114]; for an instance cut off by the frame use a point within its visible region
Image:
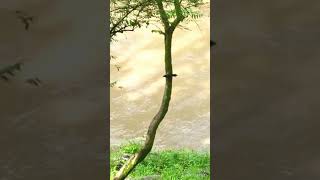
[142, 4]
[180, 17]
[163, 14]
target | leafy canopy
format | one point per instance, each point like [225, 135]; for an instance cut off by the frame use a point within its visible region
[128, 15]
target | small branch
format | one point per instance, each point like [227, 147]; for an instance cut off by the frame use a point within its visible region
[113, 30]
[179, 14]
[123, 30]
[163, 14]
[158, 31]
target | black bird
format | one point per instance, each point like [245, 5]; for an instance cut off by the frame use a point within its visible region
[212, 43]
[168, 75]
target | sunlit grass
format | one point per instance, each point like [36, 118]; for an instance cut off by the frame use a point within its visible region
[167, 164]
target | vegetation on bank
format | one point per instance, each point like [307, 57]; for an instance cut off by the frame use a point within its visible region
[166, 164]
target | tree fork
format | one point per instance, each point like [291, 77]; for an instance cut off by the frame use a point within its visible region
[152, 130]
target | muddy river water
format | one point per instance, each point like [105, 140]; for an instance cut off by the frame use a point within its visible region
[136, 97]
[56, 130]
[266, 73]
[266, 90]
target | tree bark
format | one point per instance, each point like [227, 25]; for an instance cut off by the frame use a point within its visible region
[138, 157]
[152, 130]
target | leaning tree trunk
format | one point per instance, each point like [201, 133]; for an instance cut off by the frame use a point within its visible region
[138, 157]
[152, 130]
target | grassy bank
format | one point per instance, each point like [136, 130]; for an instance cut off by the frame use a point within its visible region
[166, 164]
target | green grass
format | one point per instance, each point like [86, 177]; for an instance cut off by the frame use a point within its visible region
[169, 164]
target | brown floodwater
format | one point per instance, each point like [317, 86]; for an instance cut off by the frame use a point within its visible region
[57, 130]
[136, 97]
[266, 90]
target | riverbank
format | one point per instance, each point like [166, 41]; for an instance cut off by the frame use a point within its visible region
[164, 164]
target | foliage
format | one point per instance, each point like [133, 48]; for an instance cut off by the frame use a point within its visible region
[128, 15]
[170, 13]
[169, 164]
